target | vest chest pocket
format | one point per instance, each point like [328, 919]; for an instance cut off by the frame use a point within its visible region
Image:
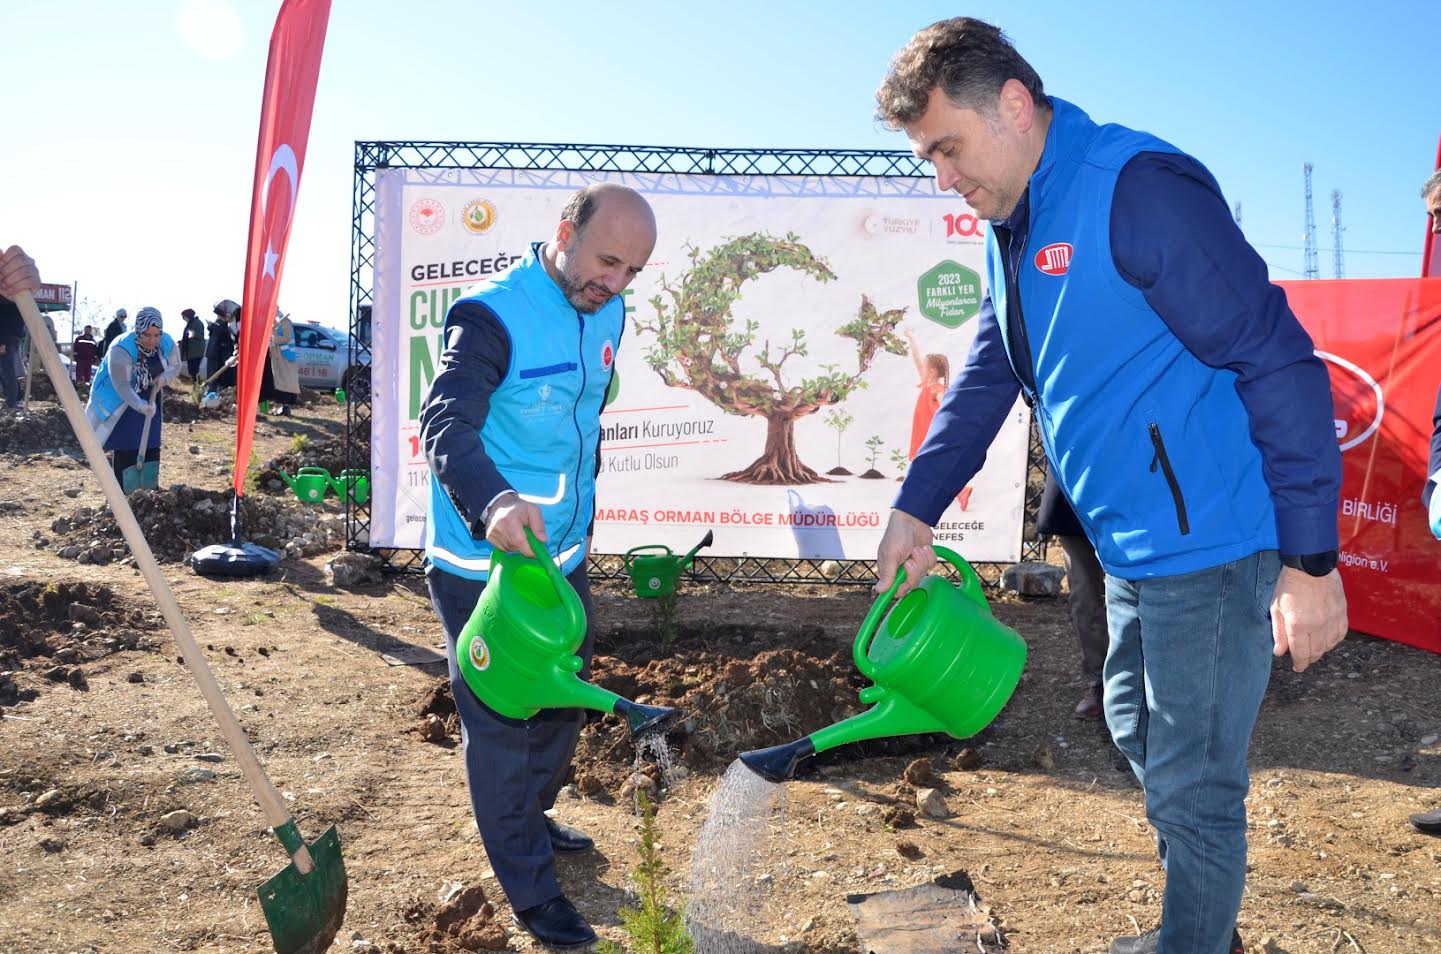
[547, 370]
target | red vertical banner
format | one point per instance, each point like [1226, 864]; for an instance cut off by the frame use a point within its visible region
[1431, 251]
[285, 110]
[1381, 341]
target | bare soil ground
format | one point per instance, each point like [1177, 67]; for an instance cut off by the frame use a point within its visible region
[103, 732]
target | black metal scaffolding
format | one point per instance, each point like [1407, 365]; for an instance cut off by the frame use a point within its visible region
[681, 160]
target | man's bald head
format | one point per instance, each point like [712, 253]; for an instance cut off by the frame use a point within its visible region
[606, 235]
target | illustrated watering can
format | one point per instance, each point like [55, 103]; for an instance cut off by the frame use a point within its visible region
[940, 663]
[353, 483]
[654, 569]
[309, 483]
[517, 652]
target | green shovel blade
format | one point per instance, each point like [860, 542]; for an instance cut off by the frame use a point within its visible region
[305, 911]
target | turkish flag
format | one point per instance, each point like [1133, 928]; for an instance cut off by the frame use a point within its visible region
[289, 99]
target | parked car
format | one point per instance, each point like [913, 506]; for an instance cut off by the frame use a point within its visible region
[322, 358]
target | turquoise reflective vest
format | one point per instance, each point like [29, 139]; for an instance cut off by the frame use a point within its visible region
[543, 428]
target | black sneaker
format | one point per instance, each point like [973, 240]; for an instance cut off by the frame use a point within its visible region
[1150, 942]
[556, 924]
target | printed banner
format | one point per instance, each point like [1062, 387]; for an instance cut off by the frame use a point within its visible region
[829, 313]
[1381, 340]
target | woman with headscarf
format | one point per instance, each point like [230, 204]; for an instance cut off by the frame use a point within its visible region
[280, 379]
[224, 331]
[127, 390]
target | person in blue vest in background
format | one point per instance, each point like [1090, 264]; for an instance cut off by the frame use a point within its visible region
[511, 430]
[1429, 823]
[127, 392]
[1185, 416]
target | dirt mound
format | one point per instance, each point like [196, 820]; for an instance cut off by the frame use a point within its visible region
[41, 428]
[466, 922]
[738, 688]
[179, 520]
[53, 629]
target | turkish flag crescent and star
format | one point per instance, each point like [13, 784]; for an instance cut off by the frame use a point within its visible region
[290, 77]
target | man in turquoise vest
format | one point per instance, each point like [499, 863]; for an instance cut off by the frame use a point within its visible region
[511, 430]
[1185, 416]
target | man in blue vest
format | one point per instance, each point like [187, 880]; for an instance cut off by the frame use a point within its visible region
[1429, 823]
[511, 429]
[1185, 416]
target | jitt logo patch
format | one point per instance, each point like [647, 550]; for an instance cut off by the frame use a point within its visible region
[1055, 258]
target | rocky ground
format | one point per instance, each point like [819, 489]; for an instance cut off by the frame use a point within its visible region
[126, 827]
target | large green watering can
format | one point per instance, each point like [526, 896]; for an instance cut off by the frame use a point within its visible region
[940, 663]
[517, 651]
[352, 482]
[654, 569]
[309, 483]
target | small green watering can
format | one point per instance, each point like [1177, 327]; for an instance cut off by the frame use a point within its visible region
[517, 651]
[654, 569]
[352, 482]
[309, 483]
[940, 663]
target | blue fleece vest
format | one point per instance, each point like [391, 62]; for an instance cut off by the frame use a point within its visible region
[543, 428]
[104, 398]
[1151, 445]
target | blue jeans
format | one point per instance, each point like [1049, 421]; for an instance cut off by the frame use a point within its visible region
[1188, 663]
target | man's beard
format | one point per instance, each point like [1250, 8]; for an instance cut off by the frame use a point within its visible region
[575, 292]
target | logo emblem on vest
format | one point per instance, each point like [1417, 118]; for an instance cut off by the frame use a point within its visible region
[1055, 258]
[607, 354]
[479, 654]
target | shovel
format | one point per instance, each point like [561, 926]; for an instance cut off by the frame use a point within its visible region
[305, 903]
[142, 475]
[199, 389]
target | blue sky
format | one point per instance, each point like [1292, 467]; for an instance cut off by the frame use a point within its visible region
[129, 143]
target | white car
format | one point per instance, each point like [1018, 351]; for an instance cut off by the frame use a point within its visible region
[323, 359]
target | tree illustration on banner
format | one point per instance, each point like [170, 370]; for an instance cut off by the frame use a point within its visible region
[874, 444]
[699, 347]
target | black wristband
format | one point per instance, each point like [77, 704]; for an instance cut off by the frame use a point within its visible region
[1314, 564]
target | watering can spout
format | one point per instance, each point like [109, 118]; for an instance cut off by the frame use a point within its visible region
[644, 720]
[289, 480]
[779, 762]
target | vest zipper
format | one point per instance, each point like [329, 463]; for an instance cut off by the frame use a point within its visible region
[575, 420]
[1165, 461]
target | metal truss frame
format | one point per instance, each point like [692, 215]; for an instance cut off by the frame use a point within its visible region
[572, 157]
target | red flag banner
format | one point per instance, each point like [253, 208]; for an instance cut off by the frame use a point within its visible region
[1381, 341]
[289, 99]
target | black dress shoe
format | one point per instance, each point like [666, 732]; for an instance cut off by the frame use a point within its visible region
[1427, 823]
[1150, 942]
[566, 839]
[556, 924]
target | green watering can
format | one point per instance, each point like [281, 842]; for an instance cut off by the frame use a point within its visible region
[940, 663]
[352, 482]
[517, 651]
[654, 569]
[309, 483]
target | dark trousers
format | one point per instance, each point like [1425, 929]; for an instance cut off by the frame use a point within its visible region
[9, 381]
[1088, 604]
[514, 767]
[193, 365]
[123, 460]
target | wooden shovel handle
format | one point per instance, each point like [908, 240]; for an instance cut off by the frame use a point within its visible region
[265, 794]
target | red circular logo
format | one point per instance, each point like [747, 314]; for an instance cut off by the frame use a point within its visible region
[427, 216]
[607, 354]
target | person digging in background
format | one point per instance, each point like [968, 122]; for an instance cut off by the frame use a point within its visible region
[127, 391]
[515, 409]
[17, 274]
[1185, 415]
[192, 342]
[280, 378]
